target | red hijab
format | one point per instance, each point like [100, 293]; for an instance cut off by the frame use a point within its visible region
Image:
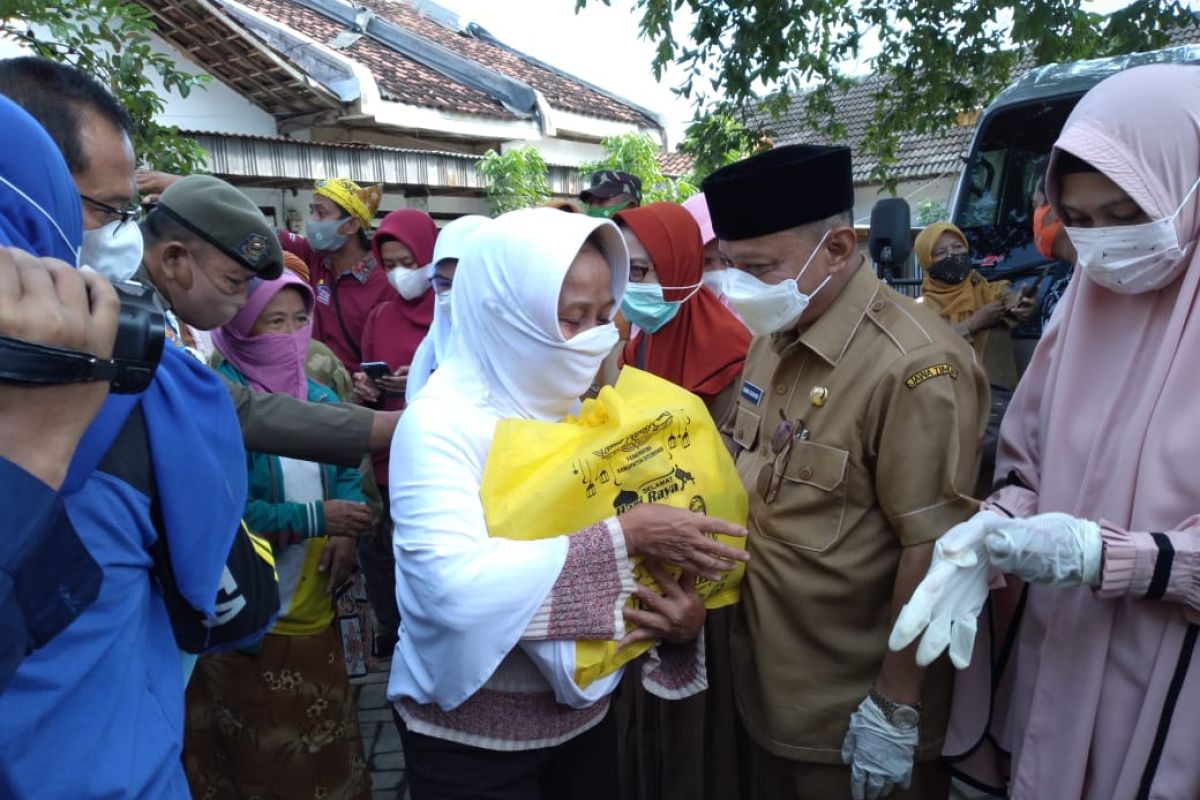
[703, 347]
[396, 327]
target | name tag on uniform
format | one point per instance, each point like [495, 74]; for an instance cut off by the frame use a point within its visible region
[751, 393]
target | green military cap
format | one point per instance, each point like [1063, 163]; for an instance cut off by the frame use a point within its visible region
[227, 219]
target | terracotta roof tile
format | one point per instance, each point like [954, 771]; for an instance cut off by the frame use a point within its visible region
[918, 156]
[676, 164]
[402, 79]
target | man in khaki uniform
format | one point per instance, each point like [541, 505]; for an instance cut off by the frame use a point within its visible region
[856, 434]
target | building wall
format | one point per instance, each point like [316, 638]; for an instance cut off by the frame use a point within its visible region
[216, 108]
[565, 152]
[915, 192]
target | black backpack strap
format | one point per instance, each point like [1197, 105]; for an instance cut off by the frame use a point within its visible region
[248, 598]
[337, 309]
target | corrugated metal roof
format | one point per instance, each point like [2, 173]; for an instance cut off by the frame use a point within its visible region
[280, 161]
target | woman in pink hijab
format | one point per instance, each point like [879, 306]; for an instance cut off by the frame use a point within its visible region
[296, 722]
[1097, 688]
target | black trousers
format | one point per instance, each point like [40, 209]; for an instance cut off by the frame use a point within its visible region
[585, 768]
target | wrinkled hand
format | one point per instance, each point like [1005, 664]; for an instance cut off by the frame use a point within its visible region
[343, 518]
[986, 316]
[946, 604]
[396, 383]
[675, 616]
[151, 184]
[337, 559]
[46, 301]
[678, 537]
[365, 388]
[879, 754]
[1056, 549]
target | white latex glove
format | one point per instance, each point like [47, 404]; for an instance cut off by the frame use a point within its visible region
[879, 754]
[1056, 549]
[947, 602]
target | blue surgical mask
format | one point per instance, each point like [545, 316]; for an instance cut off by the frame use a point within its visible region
[645, 307]
[323, 236]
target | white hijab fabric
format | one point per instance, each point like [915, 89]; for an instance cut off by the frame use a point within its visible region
[505, 310]
[451, 243]
[465, 598]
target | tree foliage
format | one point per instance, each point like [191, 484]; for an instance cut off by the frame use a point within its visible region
[110, 40]
[719, 138]
[516, 179]
[931, 211]
[637, 154]
[936, 58]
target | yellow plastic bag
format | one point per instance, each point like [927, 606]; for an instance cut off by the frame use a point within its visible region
[644, 441]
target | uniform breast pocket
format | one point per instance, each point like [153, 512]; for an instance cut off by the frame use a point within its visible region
[808, 510]
[745, 428]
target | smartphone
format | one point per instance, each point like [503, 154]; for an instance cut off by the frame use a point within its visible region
[375, 369]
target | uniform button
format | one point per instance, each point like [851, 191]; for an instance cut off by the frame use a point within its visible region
[805, 473]
[781, 390]
[878, 306]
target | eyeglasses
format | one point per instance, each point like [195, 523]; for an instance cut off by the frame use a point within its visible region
[770, 477]
[113, 213]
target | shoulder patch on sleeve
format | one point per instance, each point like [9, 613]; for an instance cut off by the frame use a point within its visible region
[935, 371]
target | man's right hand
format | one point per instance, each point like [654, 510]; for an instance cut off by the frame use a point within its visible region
[151, 184]
[46, 301]
[343, 518]
[679, 537]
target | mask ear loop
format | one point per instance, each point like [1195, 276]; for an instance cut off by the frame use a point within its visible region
[1184, 203]
[691, 290]
[44, 213]
[808, 263]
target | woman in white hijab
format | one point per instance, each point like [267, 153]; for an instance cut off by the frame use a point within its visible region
[451, 242]
[482, 678]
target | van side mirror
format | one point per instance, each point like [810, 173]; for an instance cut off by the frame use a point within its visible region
[890, 240]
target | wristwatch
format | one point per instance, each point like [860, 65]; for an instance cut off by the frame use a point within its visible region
[903, 716]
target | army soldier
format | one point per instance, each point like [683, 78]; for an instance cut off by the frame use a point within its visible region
[856, 434]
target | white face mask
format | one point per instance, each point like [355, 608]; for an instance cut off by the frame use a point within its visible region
[410, 283]
[114, 250]
[715, 281]
[766, 308]
[1131, 259]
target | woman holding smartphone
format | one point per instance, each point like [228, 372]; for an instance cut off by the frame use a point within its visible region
[403, 246]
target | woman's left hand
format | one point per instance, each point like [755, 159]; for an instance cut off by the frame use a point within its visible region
[675, 616]
[396, 383]
[337, 559]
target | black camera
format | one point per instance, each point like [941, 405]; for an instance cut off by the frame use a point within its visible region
[141, 330]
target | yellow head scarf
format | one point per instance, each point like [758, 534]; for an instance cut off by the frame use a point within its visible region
[954, 301]
[358, 201]
[928, 238]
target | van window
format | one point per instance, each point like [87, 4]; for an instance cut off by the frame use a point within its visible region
[995, 210]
